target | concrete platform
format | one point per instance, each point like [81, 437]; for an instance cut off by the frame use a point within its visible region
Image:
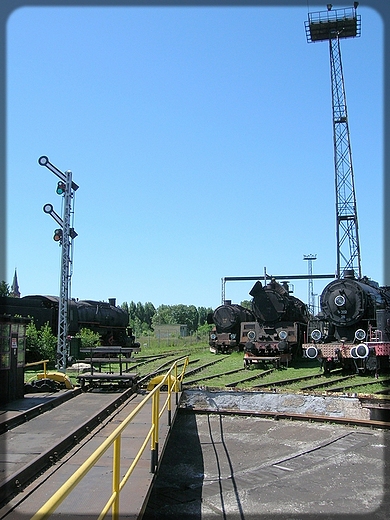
[245, 468]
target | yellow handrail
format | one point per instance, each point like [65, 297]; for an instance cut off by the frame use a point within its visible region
[44, 361]
[115, 438]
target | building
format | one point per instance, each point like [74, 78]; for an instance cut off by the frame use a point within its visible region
[170, 331]
[12, 357]
[15, 293]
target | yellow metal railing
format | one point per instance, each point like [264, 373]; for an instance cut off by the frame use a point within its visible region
[55, 376]
[44, 361]
[173, 384]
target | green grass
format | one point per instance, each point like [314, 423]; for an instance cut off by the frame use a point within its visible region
[199, 354]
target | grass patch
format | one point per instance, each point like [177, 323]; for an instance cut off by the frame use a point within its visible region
[199, 355]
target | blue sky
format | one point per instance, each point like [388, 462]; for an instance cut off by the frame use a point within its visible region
[201, 139]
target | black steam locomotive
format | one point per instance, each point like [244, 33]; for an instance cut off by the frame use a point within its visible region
[355, 329]
[104, 318]
[280, 323]
[227, 318]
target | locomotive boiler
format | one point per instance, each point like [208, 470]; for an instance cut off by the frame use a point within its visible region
[279, 326]
[227, 319]
[357, 317]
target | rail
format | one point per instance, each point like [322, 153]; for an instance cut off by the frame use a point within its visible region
[173, 382]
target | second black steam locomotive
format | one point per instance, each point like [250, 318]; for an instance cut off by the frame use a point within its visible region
[275, 326]
[280, 325]
[227, 319]
[354, 327]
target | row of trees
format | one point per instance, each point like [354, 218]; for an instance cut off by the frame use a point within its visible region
[144, 318]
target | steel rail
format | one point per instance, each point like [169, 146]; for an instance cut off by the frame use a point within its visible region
[27, 415]
[13, 484]
[291, 416]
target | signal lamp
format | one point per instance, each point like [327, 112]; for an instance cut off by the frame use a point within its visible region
[251, 335]
[60, 188]
[316, 335]
[360, 334]
[57, 235]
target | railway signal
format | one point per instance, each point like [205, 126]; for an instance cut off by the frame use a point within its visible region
[61, 187]
[64, 234]
[57, 235]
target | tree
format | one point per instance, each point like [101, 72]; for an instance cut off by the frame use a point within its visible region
[181, 314]
[150, 311]
[202, 313]
[140, 316]
[40, 343]
[163, 316]
[88, 338]
[4, 289]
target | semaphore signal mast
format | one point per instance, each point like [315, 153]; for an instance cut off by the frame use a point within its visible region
[64, 235]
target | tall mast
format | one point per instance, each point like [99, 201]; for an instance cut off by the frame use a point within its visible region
[332, 26]
[64, 235]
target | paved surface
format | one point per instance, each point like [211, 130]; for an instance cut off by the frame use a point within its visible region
[235, 468]
[87, 500]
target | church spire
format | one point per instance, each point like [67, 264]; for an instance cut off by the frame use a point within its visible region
[15, 293]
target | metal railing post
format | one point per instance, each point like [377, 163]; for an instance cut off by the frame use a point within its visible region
[155, 421]
[170, 386]
[116, 466]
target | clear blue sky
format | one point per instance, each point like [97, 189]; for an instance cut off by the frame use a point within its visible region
[201, 139]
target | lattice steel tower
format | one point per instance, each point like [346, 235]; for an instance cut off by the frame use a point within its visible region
[332, 26]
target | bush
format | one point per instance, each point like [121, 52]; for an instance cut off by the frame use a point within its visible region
[40, 344]
[89, 339]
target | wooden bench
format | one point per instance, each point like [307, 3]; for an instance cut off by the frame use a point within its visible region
[97, 380]
[115, 355]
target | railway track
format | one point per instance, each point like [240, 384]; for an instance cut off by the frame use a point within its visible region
[294, 416]
[62, 428]
[330, 384]
[83, 413]
[87, 423]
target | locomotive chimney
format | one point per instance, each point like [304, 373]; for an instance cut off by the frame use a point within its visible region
[349, 273]
[112, 301]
